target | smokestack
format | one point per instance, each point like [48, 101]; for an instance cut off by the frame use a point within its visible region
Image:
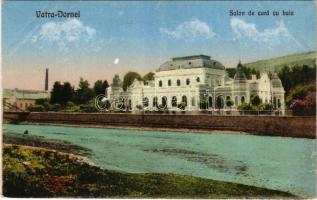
[46, 79]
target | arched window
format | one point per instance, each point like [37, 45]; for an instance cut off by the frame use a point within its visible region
[184, 100]
[145, 102]
[129, 104]
[169, 82]
[274, 102]
[220, 102]
[228, 98]
[209, 101]
[174, 101]
[279, 103]
[155, 102]
[187, 81]
[236, 100]
[198, 79]
[178, 82]
[164, 100]
[242, 99]
[193, 101]
[160, 83]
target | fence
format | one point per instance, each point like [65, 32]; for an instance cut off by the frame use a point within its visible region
[221, 112]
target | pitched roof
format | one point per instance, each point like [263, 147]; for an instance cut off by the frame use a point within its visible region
[189, 62]
[25, 94]
[276, 81]
[240, 75]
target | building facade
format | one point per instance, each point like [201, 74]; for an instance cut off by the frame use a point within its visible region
[20, 100]
[195, 83]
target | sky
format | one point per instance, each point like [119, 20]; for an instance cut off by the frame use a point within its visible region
[116, 37]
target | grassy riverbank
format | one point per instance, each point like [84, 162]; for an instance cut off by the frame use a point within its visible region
[38, 172]
[39, 141]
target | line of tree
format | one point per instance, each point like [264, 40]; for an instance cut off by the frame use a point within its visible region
[297, 75]
[64, 93]
[247, 71]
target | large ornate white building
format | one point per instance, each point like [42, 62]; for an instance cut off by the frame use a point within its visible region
[197, 83]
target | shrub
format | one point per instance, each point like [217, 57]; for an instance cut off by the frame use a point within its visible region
[161, 108]
[56, 107]
[306, 106]
[88, 108]
[299, 92]
[245, 106]
[139, 107]
[181, 106]
[229, 102]
[70, 104]
[36, 108]
[255, 100]
[47, 105]
[265, 106]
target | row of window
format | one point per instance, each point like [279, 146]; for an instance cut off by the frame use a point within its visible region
[209, 102]
[178, 82]
[164, 101]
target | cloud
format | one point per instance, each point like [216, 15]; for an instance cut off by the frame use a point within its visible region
[190, 30]
[249, 30]
[64, 33]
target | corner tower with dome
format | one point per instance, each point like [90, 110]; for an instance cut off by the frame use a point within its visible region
[200, 83]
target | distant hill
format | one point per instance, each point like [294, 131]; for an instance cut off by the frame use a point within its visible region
[276, 64]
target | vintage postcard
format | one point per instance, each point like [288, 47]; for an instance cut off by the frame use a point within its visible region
[159, 99]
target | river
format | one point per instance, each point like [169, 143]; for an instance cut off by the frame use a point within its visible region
[286, 164]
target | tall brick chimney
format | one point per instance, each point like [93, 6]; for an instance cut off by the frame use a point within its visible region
[46, 79]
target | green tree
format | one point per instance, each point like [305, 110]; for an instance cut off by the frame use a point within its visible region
[257, 73]
[84, 93]
[255, 100]
[67, 93]
[285, 76]
[56, 92]
[129, 78]
[148, 77]
[231, 72]
[246, 70]
[100, 87]
[298, 75]
[229, 102]
[61, 93]
[299, 92]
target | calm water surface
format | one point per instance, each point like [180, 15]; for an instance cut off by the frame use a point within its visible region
[286, 164]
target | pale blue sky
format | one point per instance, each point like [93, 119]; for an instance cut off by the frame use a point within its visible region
[143, 35]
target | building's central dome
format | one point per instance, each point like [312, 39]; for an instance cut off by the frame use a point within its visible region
[188, 62]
